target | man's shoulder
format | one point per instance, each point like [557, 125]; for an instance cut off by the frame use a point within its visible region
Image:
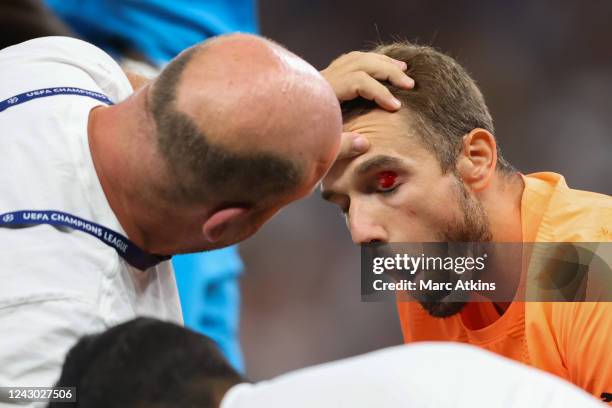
[50, 41]
[581, 199]
[571, 215]
[72, 49]
[69, 53]
[581, 216]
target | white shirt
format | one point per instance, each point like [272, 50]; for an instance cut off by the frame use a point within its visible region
[420, 375]
[59, 284]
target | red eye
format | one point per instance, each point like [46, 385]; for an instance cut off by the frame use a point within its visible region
[386, 179]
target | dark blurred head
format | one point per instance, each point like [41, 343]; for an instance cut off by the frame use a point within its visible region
[147, 363]
[244, 127]
[421, 179]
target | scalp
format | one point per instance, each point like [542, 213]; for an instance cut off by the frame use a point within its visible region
[245, 92]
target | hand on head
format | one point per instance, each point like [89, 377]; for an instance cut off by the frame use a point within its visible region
[243, 127]
[359, 75]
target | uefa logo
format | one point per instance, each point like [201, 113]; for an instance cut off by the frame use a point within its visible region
[8, 217]
[12, 100]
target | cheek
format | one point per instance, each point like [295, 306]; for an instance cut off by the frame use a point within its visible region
[419, 213]
[410, 199]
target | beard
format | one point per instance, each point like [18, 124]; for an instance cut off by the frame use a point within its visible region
[472, 225]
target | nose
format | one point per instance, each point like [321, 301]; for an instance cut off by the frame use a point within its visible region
[364, 227]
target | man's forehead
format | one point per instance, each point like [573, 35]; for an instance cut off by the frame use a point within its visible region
[379, 123]
[375, 157]
[388, 134]
[345, 172]
[392, 144]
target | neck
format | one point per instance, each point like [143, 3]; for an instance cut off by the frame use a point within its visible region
[502, 202]
[133, 176]
[503, 206]
[113, 131]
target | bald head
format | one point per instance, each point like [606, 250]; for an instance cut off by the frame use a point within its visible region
[246, 98]
[242, 121]
[249, 93]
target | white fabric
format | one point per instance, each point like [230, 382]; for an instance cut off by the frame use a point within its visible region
[422, 375]
[57, 285]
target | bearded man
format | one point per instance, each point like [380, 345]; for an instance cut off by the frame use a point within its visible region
[434, 173]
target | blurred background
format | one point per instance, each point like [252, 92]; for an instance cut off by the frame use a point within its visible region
[545, 68]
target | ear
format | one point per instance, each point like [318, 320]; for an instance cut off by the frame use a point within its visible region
[217, 223]
[478, 159]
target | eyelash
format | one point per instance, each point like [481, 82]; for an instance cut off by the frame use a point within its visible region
[385, 192]
[388, 191]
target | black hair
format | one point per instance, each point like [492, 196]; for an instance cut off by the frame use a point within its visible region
[146, 363]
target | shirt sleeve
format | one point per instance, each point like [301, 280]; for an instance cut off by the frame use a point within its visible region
[37, 334]
[425, 374]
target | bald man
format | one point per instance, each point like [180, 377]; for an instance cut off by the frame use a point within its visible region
[102, 184]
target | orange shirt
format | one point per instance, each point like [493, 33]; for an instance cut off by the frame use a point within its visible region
[570, 339]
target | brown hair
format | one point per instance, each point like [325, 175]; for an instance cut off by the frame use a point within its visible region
[445, 103]
[201, 170]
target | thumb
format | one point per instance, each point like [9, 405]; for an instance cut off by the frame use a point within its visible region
[351, 145]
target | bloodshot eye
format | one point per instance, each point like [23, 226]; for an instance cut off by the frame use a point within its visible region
[386, 180]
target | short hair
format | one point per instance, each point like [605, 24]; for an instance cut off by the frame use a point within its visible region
[146, 363]
[199, 168]
[445, 103]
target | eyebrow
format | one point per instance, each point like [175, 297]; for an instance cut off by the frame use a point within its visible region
[376, 162]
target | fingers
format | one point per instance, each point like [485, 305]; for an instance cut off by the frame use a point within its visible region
[400, 64]
[385, 68]
[362, 73]
[351, 145]
[369, 88]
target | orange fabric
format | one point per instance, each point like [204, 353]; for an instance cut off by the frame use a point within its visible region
[571, 340]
